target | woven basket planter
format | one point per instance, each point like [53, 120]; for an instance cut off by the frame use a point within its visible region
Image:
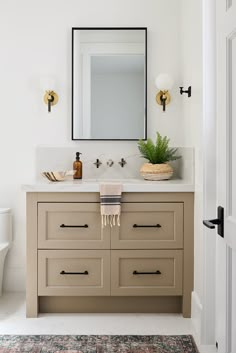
[151, 171]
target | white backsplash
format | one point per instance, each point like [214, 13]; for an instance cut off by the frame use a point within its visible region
[61, 158]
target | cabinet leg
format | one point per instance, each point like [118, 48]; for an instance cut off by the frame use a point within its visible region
[32, 257]
[31, 307]
[186, 306]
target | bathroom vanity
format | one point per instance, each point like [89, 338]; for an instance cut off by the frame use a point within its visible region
[75, 265]
[145, 265]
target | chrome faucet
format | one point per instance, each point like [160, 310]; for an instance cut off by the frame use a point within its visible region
[110, 162]
[122, 162]
[97, 163]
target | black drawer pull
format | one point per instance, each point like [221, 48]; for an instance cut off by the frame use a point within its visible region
[80, 226]
[74, 273]
[147, 273]
[147, 226]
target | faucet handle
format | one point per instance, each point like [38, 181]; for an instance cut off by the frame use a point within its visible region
[122, 162]
[97, 163]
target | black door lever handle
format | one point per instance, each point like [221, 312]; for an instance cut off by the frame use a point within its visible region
[211, 223]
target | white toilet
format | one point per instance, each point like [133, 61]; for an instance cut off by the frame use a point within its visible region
[5, 238]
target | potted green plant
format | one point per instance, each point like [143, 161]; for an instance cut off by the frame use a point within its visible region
[158, 154]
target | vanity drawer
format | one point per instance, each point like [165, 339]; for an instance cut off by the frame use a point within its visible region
[71, 226]
[73, 272]
[146, 272]
[149, 226]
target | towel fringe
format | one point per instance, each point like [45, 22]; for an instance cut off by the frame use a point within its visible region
[111, 220]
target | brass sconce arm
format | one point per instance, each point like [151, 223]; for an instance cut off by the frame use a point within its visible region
[163, 98]
[50, 98]
[164, 83]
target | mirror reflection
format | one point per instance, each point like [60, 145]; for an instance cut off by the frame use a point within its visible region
[109, 84]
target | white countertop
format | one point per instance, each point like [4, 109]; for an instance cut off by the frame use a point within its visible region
[129, 185]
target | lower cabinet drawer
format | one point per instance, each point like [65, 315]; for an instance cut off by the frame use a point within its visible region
[74, 272]
[146, 272]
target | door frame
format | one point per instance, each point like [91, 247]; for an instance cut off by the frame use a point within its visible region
[209, 171]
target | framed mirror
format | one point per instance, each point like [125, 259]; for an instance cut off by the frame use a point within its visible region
[109, 83]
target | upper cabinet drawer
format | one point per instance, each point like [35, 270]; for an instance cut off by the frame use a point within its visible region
[149, 226]
[71, 226]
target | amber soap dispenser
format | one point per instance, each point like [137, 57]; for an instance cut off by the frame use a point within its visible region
[77, 167]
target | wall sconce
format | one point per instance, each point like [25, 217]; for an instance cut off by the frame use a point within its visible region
[188, 91]
[164, 83]
[50, 96]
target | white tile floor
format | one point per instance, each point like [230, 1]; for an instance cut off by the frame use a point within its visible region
[13, 321]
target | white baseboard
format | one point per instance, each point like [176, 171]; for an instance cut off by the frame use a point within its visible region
[208, 349]
[14, 279]
[196, 315]
[197, 312]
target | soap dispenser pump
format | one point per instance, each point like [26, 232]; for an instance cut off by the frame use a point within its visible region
[77, 167]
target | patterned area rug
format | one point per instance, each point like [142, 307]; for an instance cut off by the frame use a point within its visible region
[97, 344]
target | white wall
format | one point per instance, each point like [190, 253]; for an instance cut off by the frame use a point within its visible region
[209, 169]
[35, 39]
[192, 70]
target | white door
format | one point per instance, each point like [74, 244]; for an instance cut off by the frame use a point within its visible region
[226, 176]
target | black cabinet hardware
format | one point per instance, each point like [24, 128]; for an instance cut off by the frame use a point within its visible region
[147, 226]
[147, 273]
[74, 273]
[68, 226]
[211, 223]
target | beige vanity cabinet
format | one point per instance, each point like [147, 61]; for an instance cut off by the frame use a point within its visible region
[75, 265]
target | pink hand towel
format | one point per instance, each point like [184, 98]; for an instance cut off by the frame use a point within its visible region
[110, 198]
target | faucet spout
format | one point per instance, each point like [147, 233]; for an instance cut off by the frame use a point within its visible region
[110, 162]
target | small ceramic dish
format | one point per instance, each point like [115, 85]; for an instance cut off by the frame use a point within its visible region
[57, 176]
